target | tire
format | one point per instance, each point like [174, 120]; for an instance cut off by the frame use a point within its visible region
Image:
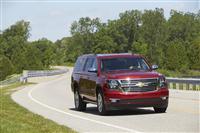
[160, 110]
[100, 103]
[80, 105]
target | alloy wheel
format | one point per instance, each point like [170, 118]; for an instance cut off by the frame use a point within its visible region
[100, 103]
[76, 99]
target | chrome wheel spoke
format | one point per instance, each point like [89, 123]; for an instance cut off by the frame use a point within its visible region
[76, 99]
[100, 103]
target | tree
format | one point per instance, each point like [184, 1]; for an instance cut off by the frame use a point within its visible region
[86, 28]
[183, 26]
[176, 56]
[139, 48]
[112, 29]
[85, 25]
[33, 61]
[48, 57]
[74, 48]
[60, 49]
[18, 60]
[105, 44]
[194, 54]
[14, 42]
[153, 33]
[6, 67]
[129, 24]
[46, 53]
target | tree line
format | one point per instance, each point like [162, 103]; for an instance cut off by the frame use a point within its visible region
[18, 54]
[173, 43]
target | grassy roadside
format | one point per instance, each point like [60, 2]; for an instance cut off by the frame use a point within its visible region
[69, 64]
[188, 73]
[16, 119]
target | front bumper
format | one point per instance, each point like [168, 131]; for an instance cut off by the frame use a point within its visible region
[120, 100]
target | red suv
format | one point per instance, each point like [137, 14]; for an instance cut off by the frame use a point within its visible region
[118, 81]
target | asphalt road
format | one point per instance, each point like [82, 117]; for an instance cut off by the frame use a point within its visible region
[54, 100]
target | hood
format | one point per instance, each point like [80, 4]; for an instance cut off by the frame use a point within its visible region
[131, 74]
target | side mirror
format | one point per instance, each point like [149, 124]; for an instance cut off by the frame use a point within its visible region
[154, 67]
[94, 70]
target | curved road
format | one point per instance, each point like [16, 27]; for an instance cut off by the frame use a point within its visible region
[54, 100]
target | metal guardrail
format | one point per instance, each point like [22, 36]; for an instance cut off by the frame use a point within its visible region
[184, 83]
[31, 73]
[10, 80]
[28, 74]
[39, 73]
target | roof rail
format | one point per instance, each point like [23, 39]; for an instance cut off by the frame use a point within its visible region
[88, 54]
[114, 54]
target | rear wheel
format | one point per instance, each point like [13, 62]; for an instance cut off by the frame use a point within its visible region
[159, 110]
[80, 105]
[100, 104]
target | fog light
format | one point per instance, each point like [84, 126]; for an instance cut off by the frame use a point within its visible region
[113, 100]
[163, 98]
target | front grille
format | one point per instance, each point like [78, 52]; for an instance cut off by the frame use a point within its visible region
[139, 85]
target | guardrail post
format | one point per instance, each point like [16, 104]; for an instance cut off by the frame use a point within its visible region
[193, 87]
[25, 76]
[180, 86]
[171, 85]
[174, 85]
[177, 86]
[190, 86]
[23, 79]
[187, 86]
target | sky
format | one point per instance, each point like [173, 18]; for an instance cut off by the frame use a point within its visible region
[52, 19]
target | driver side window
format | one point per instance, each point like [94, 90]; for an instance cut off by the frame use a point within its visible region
[143, 65]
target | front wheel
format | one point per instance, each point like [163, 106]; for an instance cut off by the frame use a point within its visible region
[159, 110]
[79, 104]
[100, 104]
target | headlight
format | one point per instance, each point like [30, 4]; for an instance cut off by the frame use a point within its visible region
[113, 84]
[162, 82]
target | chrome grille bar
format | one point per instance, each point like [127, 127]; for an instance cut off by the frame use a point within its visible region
[138, 84]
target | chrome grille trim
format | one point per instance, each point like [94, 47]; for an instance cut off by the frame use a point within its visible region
[134, 85]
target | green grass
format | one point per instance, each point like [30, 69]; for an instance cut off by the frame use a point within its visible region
[69, 64]
[16, 119]
[13, 75]
[188, 73]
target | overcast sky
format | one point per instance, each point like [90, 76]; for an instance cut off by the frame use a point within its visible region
[52, 19]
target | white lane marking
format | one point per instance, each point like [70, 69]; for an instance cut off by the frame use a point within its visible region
[77, 116]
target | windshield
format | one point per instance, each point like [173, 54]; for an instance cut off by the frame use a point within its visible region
[125, 63]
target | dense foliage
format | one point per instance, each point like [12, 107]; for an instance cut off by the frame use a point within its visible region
[173, 43]
[17, 54]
